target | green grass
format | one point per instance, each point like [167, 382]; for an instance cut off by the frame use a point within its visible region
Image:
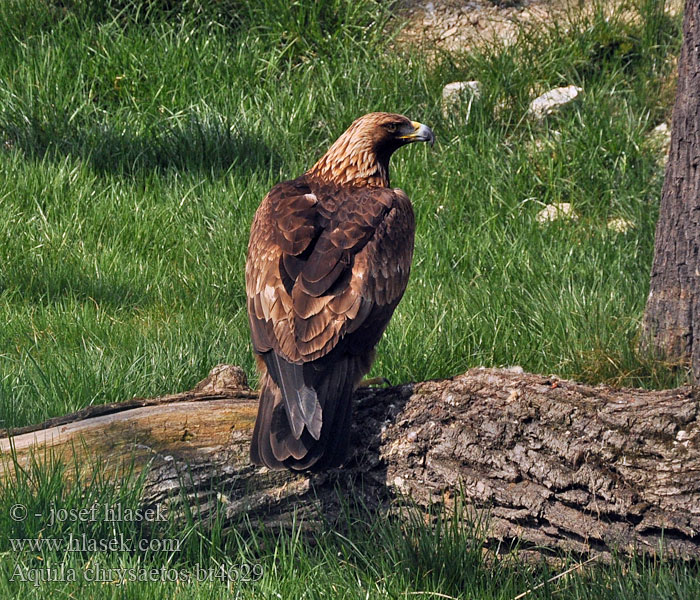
[136, 147]
[364, 557]
[136, 141]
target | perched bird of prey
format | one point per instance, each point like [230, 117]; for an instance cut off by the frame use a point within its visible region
[328, 261]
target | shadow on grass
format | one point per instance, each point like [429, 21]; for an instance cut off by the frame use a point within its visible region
[207, 144]
[52, 288]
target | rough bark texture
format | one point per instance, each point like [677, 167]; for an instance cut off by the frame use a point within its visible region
[672, 316]
[553, 464]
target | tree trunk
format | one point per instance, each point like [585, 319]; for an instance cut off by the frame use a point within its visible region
[672, 315]
[555, 465]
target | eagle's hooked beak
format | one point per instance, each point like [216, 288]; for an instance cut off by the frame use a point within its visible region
[420, 133]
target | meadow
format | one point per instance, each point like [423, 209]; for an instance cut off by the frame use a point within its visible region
[136, 141]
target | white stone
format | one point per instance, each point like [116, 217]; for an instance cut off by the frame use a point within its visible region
[660, 137]
[620, 225]
[548, 102]
[662, 134]
[457, 91]
[552, 212]
[661, 128]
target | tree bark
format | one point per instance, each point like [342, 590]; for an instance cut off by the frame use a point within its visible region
[672, 315]
[552, 464]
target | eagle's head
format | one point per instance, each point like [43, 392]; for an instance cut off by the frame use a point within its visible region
[361, 155]
[387, 132]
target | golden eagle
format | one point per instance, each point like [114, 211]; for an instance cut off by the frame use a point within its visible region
[328, 261]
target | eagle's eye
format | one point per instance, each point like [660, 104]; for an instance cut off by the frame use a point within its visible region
[391, 127]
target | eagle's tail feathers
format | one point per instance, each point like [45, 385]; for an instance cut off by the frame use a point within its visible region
[331, 450]
[261, 452]
[301, 401]
[321, 445]
[311, 410]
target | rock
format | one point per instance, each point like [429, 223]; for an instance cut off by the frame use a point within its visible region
[454, 93]
[660, 137]
[429, 18]
[548, 102]
[450, 32]
[662, 129]
[661, 134]
[552, 212]
[620, 225]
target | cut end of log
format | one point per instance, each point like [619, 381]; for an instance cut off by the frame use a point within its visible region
[222, 378]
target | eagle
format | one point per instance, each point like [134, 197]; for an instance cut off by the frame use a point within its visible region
[328, 260]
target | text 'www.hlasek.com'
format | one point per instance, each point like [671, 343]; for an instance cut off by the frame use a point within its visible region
[100, 530]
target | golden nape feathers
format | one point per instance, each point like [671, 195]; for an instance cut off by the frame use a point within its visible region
[360, 156]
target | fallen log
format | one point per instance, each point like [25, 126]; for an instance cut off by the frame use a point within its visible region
[552, 464]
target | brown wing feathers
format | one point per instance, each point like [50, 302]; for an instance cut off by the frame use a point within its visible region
[333, 293]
